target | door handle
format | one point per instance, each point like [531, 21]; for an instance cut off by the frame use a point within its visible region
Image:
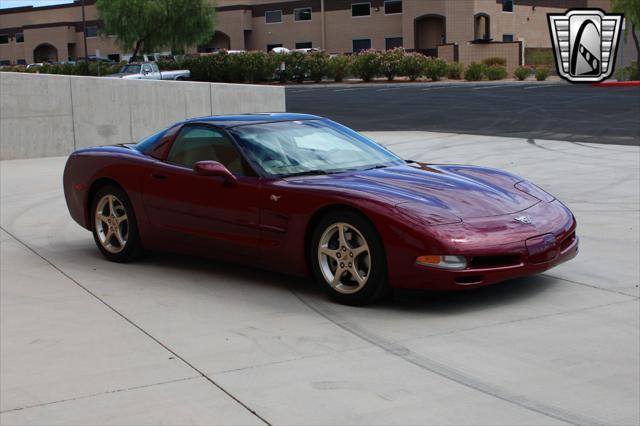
[158, 176]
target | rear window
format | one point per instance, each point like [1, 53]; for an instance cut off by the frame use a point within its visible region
[146, 144]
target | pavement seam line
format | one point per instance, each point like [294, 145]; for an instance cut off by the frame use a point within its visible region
[146, 333]
[93, 395]
[445, 371]
[595, 287]
[497, 324]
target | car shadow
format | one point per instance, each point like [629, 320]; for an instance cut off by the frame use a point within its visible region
[501, 294]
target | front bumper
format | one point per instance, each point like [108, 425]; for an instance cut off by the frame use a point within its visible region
[471, 277]
[498, 249]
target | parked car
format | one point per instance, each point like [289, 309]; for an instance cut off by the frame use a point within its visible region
[149, 71]
[304, 195]
[35, 65]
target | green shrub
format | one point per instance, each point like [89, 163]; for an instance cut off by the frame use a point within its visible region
[413, 65]
[628, 73]
[436, 69]
[258, 66]
[542, 74]
[338, 67]
[366, 65]
[455, 71]
[317, 65]
[297, 66]
[496, 72]
[494, 60]
[390, 63]
[474, 72]
[521, 73]
[539, 57]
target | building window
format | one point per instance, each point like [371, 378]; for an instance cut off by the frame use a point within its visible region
[273, 16]
[392, 42]
[21, 62]
[4, 62]
[270, 47]
[114, 57]
[304, 45]
[507, 5]
[4, 38]
[92, 31]
[303, 14]
[392, 7]
[360, 9]
[507, 37]
[361, 44]
[19, 37]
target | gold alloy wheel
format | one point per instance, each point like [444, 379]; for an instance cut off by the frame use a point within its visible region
[111, 224]
[344, 258]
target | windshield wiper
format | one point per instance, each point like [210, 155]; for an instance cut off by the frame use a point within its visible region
[306, 173]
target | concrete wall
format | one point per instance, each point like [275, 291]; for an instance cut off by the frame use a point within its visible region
[49, 115]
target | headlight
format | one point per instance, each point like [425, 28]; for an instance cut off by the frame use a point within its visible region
[534, 191]
[443, 261]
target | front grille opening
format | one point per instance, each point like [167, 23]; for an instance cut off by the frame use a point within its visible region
[469, 279]
[479, 262]
[566, 243]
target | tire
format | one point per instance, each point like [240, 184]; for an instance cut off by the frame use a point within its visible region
[115, 230]
[354, 273]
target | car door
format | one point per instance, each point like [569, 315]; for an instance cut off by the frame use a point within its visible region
[203, 214]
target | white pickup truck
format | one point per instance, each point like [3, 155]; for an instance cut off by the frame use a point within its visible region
[149, 71]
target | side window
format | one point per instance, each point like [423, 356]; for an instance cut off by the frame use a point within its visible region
[199, 143]
[146, 68]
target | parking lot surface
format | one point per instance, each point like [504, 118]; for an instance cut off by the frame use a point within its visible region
[531, 109]
[178, 340]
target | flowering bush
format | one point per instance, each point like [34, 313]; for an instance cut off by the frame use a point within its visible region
[436, 69]
[413, 65]
[390, 62]
[366, 65]
[338, 67]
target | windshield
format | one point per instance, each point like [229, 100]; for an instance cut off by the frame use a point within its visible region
[130, 69]
[310, 147]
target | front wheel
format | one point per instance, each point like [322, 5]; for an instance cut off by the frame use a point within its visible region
[115, 230]
[348, 259]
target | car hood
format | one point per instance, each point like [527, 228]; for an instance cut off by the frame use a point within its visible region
[465, 192]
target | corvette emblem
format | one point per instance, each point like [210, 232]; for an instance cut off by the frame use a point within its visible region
[585, 43]
[523, 219]
[274, 197]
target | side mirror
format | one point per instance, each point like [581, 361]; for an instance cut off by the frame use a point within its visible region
[213, 168]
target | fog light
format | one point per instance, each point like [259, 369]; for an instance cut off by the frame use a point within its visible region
[442, 262]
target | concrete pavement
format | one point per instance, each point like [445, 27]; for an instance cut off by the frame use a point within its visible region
[177, 340]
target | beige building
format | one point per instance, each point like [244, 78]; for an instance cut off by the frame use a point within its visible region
[54, 33]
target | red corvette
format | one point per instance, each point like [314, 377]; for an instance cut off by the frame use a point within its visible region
[304, 195]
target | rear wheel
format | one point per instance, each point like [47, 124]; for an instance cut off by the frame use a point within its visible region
[348, 259]
[115, 230]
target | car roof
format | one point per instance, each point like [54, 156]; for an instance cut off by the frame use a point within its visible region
[228, 121]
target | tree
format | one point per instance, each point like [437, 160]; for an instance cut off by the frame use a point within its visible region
[150, 25]
[631, 10]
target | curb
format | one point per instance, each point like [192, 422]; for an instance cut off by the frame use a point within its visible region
[618, 84]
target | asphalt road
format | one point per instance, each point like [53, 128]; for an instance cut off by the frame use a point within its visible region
[532, 110]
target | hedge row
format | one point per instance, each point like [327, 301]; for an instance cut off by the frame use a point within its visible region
[80, 68]
[257, 67]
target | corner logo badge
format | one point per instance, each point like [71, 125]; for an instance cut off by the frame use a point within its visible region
[585, 43]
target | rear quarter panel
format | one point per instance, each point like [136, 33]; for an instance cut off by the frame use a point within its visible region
[88, 169]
